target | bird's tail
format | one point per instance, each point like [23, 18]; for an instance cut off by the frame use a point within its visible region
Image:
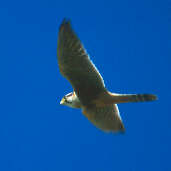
[125, 98]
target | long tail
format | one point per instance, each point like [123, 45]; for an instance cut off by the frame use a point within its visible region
[125, 98]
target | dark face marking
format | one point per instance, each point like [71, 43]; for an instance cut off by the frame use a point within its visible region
[66, 98]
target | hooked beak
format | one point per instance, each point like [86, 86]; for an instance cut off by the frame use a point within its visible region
[62, 101]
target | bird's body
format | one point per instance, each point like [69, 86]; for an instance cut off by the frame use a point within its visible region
[90, 93]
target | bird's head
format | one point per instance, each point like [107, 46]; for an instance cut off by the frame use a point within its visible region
[71, 100]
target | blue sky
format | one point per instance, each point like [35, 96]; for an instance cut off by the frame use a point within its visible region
[129, 43]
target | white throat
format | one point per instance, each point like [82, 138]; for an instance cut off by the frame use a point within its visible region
[71, 100]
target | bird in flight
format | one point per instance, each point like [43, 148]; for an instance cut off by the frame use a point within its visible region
[89, 91]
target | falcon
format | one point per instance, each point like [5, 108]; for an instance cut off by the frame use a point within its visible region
[89, 91]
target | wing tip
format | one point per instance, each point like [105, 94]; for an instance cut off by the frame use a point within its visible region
[66, 23]
[120, 129]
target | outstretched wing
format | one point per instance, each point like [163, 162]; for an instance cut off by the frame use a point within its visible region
[106, 118]
[76, 66]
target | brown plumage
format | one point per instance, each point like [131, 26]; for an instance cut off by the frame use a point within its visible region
[90, 94]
